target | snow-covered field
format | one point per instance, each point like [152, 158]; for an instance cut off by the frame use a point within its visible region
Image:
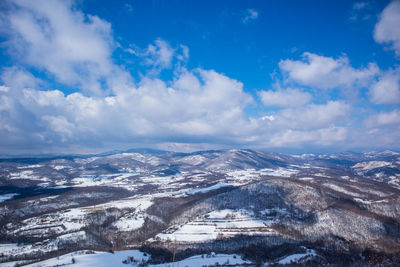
[132, 257]
[218, 224]
[98, 259]
[208, 260]
[296, 258]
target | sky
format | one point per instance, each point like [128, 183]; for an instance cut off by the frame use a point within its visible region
[88, 76]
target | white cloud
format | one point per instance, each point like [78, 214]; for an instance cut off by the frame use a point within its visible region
[57, 38]
[324, 136]
[391, 118]
[251, 14]
[199, 106]
[202, 108]
[381, 131]
[321, 125]
[18, 79]
[314, 116]
[284, 97]
[387, 89]
[185, 53]
[60, 125]
[326, 72]
[160, 55]
[151, 111]
[4, 88]
[387, 30]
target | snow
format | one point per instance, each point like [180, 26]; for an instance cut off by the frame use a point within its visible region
[30, 166]
[128, 224]
[306, 178]
[14, 263]
[295, 258]
[7, 248]
[98, 259]
[208, 260]
[77, 236]
[7, 197]
[193, 159]
[28, 174]
[116, 180]
[85, 258]
[282, 172]
[58, 167]
[74, 219]
[207, 189]
[298, 257]
[240, 176]
[25, 249]
[89, 181]
[341, 189]
[130, 221]
[370, 165]
[142, 203]
[395, 181]
[71, 219]
[215, 224]
[362, 201]
[370, 202]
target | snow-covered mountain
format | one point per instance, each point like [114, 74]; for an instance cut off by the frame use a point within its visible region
[265, 207]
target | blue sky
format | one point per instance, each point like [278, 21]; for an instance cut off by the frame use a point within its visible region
[292, 76]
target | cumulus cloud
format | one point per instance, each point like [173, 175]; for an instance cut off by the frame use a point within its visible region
[323, 125]
[387, 89]
[198, 106]
[152, 111]
[313, 116]
[284, 97]
[324, 136]
[57, 38]
[387, 30]
[251, 14]
[391, 118]
[195, 108]
[327, 72]
[382, 130]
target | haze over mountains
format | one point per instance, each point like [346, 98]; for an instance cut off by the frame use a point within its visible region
[339, 208]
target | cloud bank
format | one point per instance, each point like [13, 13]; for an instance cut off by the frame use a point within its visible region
[108, 109]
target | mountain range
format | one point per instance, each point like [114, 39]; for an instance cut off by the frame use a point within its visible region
[264, 207]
